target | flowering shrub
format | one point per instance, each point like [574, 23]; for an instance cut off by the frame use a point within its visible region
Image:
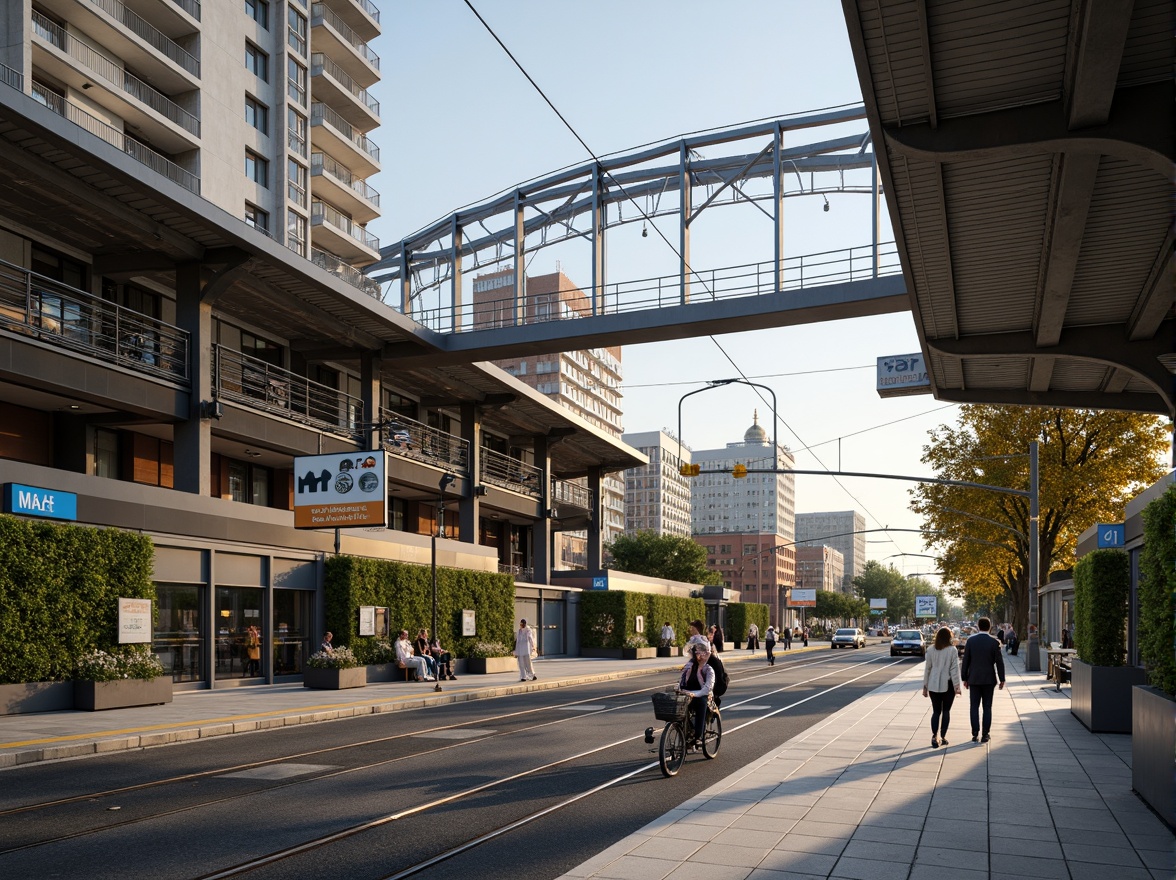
[129, 663]
[637, 640]
[381, 652]
[488, 649]
[342, 658]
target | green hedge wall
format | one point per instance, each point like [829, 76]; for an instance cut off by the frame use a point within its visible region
[741, 615]
[59, 591]
[1157, 592]
[608, 617]
[1102, 584]
[407, 591]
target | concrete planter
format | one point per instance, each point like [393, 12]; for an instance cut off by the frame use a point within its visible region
[1153, 742]
[1101, 695]
[378, 672]
[36, 696]
[638, 653]
[334, 679]
[93, 696]
[491, 665]
[672, 651]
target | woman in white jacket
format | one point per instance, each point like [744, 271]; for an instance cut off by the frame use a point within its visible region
[941, 681]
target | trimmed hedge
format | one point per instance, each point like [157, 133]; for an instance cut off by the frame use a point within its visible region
[59, 591]
[407, 591]
[1157, 592]
[1102, 584]
[741, 615]
[608, 617]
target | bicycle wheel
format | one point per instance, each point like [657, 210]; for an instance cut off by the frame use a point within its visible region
[672, 751]
[713, 736]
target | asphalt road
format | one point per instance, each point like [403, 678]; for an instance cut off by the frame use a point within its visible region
[527, 785]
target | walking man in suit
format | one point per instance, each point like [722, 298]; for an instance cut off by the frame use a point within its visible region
[983, 666]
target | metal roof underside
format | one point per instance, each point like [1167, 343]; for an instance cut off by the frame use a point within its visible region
[1026, 150]
[60, 181]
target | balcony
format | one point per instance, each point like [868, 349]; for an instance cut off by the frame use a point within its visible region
[331, 84]
[362, 16]
[138, 151]
[345, 272]
[68, 59]
[411, 439]
[331, 34]
[65, 317]
[334, 231]
[510, 473]
[338, 185]
[260, 386]
[331, 133]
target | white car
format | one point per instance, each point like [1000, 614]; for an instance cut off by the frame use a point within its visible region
[847, 637]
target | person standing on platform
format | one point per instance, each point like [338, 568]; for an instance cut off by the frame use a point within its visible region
[770, 644]
[787, 638]
[941, 681]
[983, 672]
[525, 649]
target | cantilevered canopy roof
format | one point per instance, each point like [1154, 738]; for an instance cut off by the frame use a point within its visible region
[1026, 148]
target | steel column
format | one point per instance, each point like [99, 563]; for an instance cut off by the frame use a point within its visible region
[778, 208]
[456, 237]
[597, 243]
[684, 190]
[520, 237]
[1032, 658]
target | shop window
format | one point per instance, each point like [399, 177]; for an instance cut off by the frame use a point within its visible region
[237, 609]
[292, 635]
[177, 639]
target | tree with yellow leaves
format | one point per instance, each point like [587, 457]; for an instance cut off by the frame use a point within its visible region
[1091, 462]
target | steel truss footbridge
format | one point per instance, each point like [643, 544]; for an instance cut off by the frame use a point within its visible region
[429, 275]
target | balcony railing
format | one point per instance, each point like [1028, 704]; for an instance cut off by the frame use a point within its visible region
[321, 163]
[261, 386]
[521, 574]
[192, 7]
[510, 473]
[327, 14]
[571, 494]
[412, 439]
[114, 73]
[149, 34]
[370, 8]
[320, 113]
[63, 316]
[12, 78]
[325, 213]
[345, 272]
[137, 150]
[326, 65]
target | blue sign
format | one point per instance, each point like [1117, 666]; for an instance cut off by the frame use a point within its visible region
[1111, 535]
[600, 583]
[34, 501]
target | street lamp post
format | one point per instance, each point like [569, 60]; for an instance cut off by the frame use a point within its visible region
[446, 479]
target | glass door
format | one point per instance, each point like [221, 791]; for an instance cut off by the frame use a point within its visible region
[237, 609]
[292, 635]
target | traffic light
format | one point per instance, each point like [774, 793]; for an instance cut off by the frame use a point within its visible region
[690, 470]
[739, 471]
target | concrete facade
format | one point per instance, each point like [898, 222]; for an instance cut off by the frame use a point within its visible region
[657, 496]
[842, 530]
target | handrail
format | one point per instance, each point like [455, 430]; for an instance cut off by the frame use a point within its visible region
[12, 78]
[119, 76]
[330, 214]
[572, 494]
[321, 113]
[66, 317]
[150, 34]
[192, 7]
[412, 439]
[331, 17]
[258, 385]
[371, 9]
[510, 473]
[321, 61]
[321, 163]
[345, 272]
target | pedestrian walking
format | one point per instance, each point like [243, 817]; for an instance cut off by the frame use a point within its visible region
[806, 636]
[770, 644]
[716, 638]
[667, 635]
[983, 672]
[787, 638]
[752, 638]
[698, 635]
[524, 650]
[941, 682]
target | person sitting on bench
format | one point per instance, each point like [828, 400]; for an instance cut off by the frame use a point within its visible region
[407, 660]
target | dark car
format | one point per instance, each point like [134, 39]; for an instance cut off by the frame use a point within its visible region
[908, 641]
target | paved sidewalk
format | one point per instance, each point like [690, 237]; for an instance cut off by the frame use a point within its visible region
[863, 795]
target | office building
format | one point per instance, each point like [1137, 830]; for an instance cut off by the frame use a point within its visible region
[820, 568]
[843, 530]
[657, 496]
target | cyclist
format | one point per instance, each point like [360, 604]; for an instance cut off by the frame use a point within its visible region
[698, 679]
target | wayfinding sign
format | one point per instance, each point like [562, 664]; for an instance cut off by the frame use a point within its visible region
[340, 491]
[902, 374]
[926, 606]
[1111, 535]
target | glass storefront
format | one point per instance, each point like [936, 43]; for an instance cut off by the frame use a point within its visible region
[177, 631]
[292, 636]
[237, 609]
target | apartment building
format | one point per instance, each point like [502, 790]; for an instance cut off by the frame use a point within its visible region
[819, 568]
[171, 340]
[657, 496]
[843, 530]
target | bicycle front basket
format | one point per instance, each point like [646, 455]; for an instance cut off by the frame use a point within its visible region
[670, 706]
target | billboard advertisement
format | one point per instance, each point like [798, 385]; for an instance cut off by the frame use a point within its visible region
[926, 606]
[803, 599]
[340, 491]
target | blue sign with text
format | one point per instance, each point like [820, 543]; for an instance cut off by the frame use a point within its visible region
[1111, 535]
[600, 583]
[35, 501]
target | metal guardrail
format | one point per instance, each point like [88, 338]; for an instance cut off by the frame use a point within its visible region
[412, 439]
[150, 34]
[332, 215]
[261, 386]
[345, 272]
[113, 73]
[510, 473]
[63, 316]
[11, 78]
[571, 494]
[326, 65]
[327, 14]
[192, 7]
[370, 8]
[320, 113]
[647, 294]
[320, 163]
[521, 573]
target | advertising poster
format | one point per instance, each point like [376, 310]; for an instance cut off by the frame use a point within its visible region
[803, 599]
[926, 606]
[468, 623]
[367, 620]
[877, 606]
[135, 621]
[340, 491]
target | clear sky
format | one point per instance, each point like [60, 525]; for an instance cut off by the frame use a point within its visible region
[460, 123]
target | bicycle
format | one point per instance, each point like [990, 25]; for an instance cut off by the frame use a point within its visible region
[674, 709]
